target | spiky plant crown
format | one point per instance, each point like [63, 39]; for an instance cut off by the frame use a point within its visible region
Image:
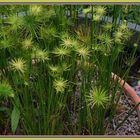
[97, 18]
[105, 39]
[6, 90]
[99, 13]
[39, 54]
[65, 67]
[122, 33]
[18, 65]
[118, 35]
[108, 26]
[15, 22]
[48, 32]
[82, 35]
[55, 70]
[123, 27]
[30, 24]
[48, 12]
[69, 42]
[62, 51]
[6, 43]
[100, 10]
[35, 9]
[27, 43]
[97, 97]
[125, 9]
[129, 61]
[87, 10]
[60, 85]
[83, 52]
[135, 45]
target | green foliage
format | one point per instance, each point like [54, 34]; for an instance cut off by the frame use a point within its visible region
[6, 90]
[97, 97]
[56, 67]
[15, 116]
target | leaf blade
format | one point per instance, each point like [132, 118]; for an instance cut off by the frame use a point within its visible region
[15, 116]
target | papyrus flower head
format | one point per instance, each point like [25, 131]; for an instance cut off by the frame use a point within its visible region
[87, 10]
[35, 9]
[6, 90]
[27, 43]
[97, 97]
[40, 55]
[69, 42]
[60, 85]
[62, 51]
[18, 64]
[100, 10]
[83, 52]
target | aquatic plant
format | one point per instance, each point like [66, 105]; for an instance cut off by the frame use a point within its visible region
[56, 67]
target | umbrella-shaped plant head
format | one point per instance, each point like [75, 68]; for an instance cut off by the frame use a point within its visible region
[6, 90]
[57, 61]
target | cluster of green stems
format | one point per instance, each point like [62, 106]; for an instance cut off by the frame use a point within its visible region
[55, 68]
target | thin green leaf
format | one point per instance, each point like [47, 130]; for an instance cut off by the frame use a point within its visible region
[15, 116]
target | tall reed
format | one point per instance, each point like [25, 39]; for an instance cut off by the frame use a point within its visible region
[58, 69]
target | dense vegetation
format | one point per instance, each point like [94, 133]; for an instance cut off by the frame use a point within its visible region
[56, 70]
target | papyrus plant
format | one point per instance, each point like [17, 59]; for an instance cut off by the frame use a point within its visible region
[59, 69]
